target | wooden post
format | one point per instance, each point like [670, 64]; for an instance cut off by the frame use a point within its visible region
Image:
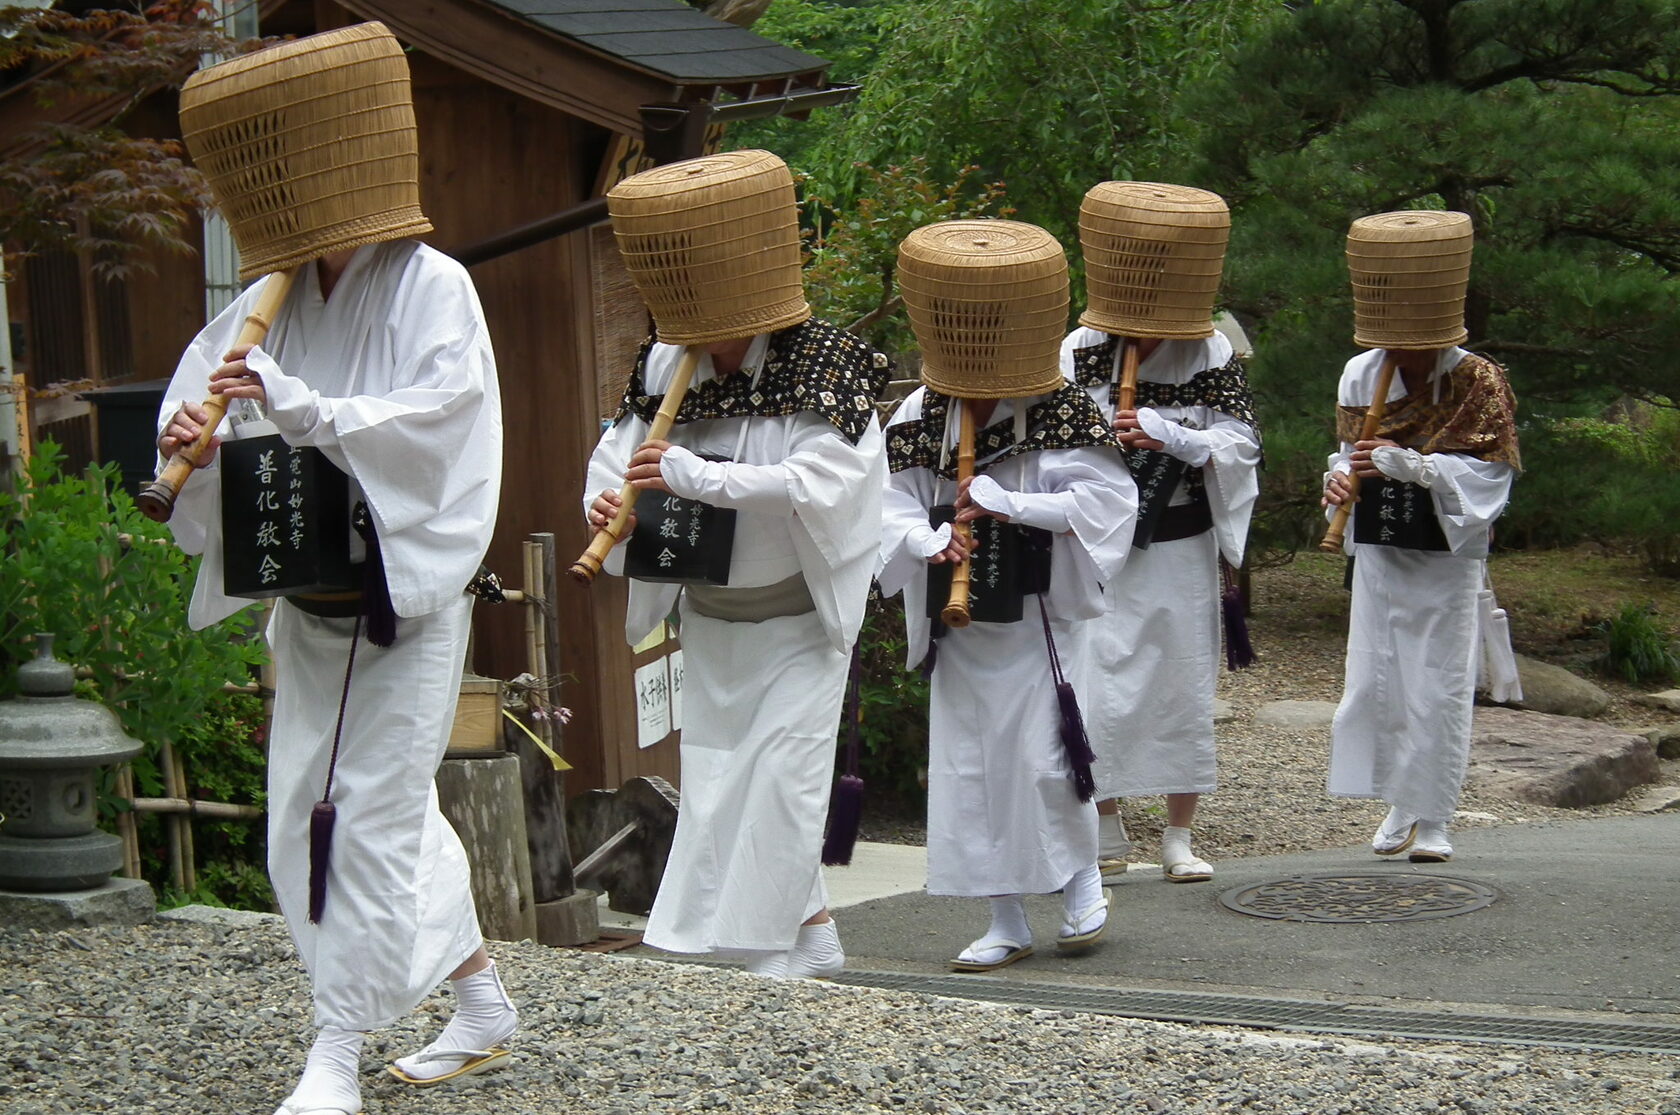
[545, 799]
[480, 798]
[127, 828]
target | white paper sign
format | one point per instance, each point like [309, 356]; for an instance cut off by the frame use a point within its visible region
[653, 703]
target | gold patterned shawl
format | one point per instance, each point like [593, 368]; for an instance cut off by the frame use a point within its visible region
[1477, 416]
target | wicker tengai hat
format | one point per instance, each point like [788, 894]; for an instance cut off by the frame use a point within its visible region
[713, 246]
[988, 302]
[309, 146]
[1153, 254]
[1410, 270]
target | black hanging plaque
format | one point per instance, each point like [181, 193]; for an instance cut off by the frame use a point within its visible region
[679, 539]
[285, 520]
[1010, 563]
[1395, 513]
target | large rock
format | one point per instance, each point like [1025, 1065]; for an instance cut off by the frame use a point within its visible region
[1555, 760]
[1668, 700]
[1666, 739]
[1296, 716]
[1553, 689]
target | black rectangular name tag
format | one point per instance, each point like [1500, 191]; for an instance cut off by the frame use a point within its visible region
[679, 539]
[1396, 513]
[1010, 562]
[285, 520]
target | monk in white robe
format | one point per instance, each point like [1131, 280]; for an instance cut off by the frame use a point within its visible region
[1155, 652]
[381, 359]
[1004, 818]
[1402, 730]
[788, 418]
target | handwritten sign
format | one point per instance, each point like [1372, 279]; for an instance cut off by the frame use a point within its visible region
[1009, 563]
[679, 539]
[285, 519]
[1395, 513]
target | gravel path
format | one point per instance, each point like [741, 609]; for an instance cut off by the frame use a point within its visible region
[179, 1017]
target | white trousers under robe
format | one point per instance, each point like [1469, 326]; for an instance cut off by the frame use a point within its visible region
[1154, 664]
[399, 915]
[1003, 816]
[1402, 730]
[761, 704]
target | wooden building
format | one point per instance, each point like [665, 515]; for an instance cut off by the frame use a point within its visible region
[528, 110]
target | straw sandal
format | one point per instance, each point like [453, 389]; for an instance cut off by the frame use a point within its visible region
[1080, 934]
[971, 958]
[1113, 871]
[476, 1061]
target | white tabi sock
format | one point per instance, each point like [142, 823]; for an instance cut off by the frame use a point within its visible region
[816, 952]
[1082, 892]
[1009, 920]
[1112, 841]
[484, 1018]
[331, 1075]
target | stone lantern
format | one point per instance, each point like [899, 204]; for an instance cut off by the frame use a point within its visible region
[52, 745]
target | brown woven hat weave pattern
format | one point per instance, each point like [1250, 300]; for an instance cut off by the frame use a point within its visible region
[309, 146]
[988, 301]
[713, 246]
[1410, 270]
[1153, 256]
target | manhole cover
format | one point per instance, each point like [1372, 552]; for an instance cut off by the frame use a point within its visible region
[1359, 898]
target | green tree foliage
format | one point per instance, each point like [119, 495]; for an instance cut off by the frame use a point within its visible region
[1048, 97]
[79, 560]
[1552, 122]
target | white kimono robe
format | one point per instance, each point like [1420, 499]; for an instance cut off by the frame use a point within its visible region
[1155, 652]
[761, 701]
[394, 380]
[1003, 815]
[1402, 730]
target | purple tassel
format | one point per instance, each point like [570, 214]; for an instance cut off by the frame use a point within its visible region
[1075, 742]
[1239, 652]
[844, 816]
[929, 660]
[321, 820]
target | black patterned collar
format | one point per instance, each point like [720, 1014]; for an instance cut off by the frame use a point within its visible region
[1063, 419]
[1224, 389]
[812, 366]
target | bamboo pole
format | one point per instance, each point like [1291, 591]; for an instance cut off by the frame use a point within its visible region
[173, 823]
[127, 828]
[192, 807]
[189, 858]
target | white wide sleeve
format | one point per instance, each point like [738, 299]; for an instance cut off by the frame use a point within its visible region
[1469, 495]
[1231, 476]
[649, 603]
[1092, 489]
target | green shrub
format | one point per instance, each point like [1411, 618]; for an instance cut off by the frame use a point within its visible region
[894, 703]
[1637, 650]
[81, 562]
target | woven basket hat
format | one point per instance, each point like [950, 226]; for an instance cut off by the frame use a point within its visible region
[713, 246]
[988, 301]
[1153, 254]
[309, 146]
[1409, 270]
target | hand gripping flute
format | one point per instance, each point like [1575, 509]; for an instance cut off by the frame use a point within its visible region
[1332, 543]
[955, 612]
[588, 564]
[157, 500]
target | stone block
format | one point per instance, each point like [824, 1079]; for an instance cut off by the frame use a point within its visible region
[1553, 689]
[481, 799]
[1223, 713]
[1658, 799]
[1555, 760]
[116, 902]
[569, 922]
[219, 915]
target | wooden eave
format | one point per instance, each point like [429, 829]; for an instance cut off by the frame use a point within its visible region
[508, 49]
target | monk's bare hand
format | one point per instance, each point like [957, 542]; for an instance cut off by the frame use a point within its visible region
[644, 467]
[1131, 434]
[1361, 459]
[235, 380]
[183, 430]
[1336, 491]
[605, 509]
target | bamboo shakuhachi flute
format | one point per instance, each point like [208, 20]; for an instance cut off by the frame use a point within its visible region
[588, 564]
[1128, 374]
[955, 612]
[1332, 543]
[157, 500]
